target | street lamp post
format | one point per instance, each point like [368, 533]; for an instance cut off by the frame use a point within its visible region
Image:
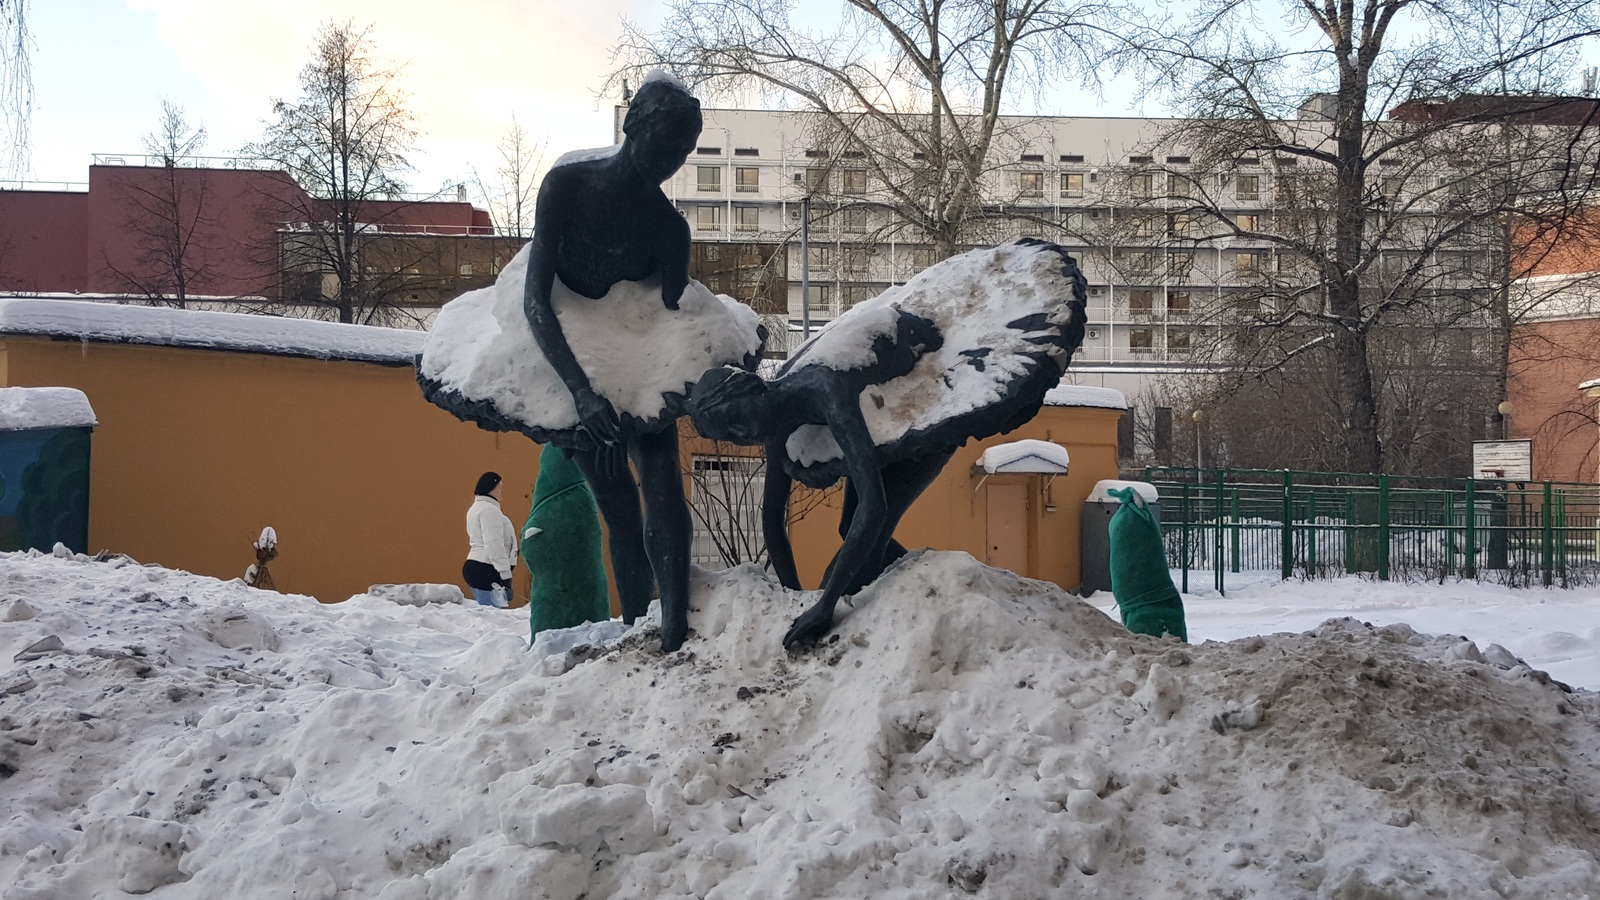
[805, 267]
[1199, 460]
[1504, 409]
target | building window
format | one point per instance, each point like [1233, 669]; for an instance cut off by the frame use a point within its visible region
[1071, 158]
[1074, 222]
[818, 298]
[747, 218]
[1141, 340]
[816, 180]
[855, 221]
[1177, 303]
[1178, 225]
[1031, 184]
[920, 258]
[746, 179]
[1247, 265]
[856, 260]
[1247, 187]
[858, 293]
[1141, 187]
[1248, 222]
[1180, 186]
[1144, 226]
[820, 259]
[746, 151]
[1072, 184]
[708, 178]
[1178, 341]
[854, 181]
[1141, 303]
[1179, 262]
[1142, 262]
[816, 154]
[465, 269]
[708, 218]
[708, 151]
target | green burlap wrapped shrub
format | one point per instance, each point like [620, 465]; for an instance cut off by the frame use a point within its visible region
[1146, 596]
[561, 544]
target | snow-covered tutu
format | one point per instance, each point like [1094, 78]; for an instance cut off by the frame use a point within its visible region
[482, 363]
[1011, 317]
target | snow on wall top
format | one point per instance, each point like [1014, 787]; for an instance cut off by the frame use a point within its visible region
[1102, 491]
[668, 77]
[1589, 384]
[1078, 395]
[1046, 457]
[30, 408]
[166, 327]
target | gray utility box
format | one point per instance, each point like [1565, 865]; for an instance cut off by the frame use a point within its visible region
[1095, 560]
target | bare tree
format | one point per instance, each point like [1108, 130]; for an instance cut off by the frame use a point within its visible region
[511, 193]
[166, 217]
[1364, 227]
[16, 84]
[908, 95]
[725, 490]
[345, 140]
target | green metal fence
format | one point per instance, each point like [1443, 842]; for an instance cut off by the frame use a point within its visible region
[1327, 524]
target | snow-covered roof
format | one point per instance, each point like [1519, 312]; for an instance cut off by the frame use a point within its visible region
[1102, 491]
[1079, 395]
[31, 408]
[241, 332]
[1030, 456]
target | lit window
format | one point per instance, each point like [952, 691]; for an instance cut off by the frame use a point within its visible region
[1248, 222]
[1031, 184]
[466, 269]
[1246, 263]
[746, 179]
[1178, 225]
[1072, 184]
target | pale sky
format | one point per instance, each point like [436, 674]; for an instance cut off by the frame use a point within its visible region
[101, 68]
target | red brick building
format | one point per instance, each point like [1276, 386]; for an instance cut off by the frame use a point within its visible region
[119, 237]
[1554, 384]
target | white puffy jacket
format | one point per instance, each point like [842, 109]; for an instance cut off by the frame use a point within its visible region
[493, 539]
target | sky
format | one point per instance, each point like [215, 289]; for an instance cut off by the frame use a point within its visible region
[102, 67]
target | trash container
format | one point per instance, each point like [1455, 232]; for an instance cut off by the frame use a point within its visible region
[1095, 542]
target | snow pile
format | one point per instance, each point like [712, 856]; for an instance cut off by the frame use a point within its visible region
[29, 408]
[161, 326]
[481, 359]
[967, 732]
[1025, 456]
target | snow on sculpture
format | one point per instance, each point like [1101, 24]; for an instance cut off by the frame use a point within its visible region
[885, 394]
[591, 339]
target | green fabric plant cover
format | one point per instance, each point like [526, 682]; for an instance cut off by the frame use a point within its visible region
[561, 544]
[1140, 582]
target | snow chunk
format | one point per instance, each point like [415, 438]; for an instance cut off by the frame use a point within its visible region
[663, 75]
[1080, 395]
[1103, 488]
[417, 594]
[577, 817]
[590, 155]
[1029, 455]
[166, 327]
[29, 408]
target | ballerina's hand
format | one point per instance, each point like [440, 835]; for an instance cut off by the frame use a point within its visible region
[598, 416]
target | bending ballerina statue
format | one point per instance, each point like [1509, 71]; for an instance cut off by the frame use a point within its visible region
[886, 393]
[592, 337]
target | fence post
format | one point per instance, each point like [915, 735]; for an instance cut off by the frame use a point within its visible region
[1287, 529]
[1235, 531]
[1471, 570]
[1216, 541]
[1183, 537]
[1546, 536]
[1383, 528]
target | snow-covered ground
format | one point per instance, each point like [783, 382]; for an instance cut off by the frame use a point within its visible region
[969, 733]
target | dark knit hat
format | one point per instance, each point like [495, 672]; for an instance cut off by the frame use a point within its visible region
[487, 482]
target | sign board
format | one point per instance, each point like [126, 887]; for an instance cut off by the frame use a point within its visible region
[1510, 460]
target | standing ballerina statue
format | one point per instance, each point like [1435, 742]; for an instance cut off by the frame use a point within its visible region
[593, 337]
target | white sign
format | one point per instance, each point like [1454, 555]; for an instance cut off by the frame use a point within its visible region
[1511, 460]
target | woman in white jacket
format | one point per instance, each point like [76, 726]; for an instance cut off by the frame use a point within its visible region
[494, 544]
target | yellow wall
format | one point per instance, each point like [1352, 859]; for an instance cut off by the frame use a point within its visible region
[364, 480]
